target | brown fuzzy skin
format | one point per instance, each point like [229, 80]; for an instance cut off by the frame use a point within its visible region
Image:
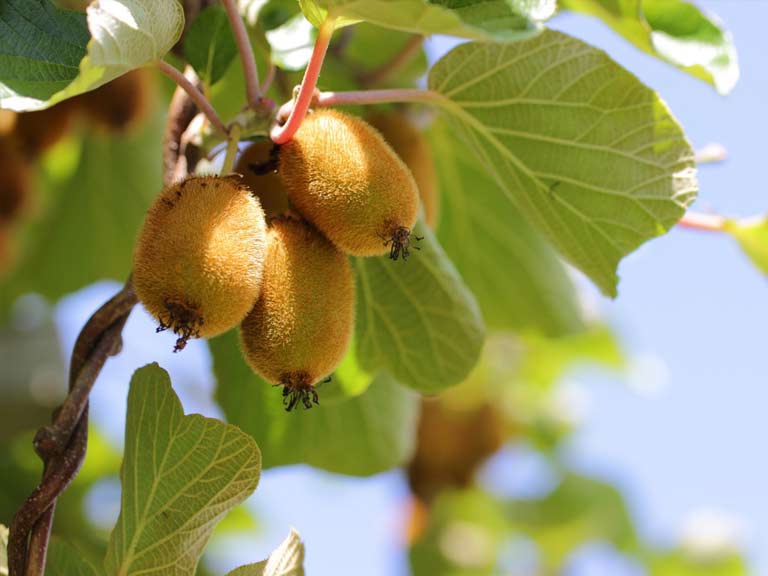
[413, 148]
[267, 187]
[119, 105]
[15, 180]
[37, 131]
[345, 179]
[7, 122]
[300, 328]
[199, 257]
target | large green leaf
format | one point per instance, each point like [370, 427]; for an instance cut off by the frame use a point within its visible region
[65, 560]
[90, 218]
[752, 235]
[180, 476]
[584, 150]
[209, 44]
[362, 435]
[286, 560]
[3, 550]
[44, 46]
[490, 20]
[417, 319]
[514, 274]
[698, 563]
[675, 31]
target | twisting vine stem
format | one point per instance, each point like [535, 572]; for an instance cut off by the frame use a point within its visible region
[62, 444]
[197, 97]
[253, 92]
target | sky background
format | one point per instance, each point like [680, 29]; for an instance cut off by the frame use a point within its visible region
[682, 436]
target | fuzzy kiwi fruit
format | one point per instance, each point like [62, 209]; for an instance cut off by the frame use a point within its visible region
[120, 104]
[199, 257]
[7, 121]
[409, 143]
[300, 328]
[255, 165]
[343, 177]
[15, 180]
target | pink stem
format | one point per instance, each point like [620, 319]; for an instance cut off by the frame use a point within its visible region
[250, 70]
[377, 97]
[197, 97]
[283, 134]
[699, 221]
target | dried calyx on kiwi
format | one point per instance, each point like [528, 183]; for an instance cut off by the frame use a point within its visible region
[300, 327]
[343, 177]
[200, 255]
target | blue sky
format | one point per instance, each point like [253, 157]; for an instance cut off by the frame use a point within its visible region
[689, 303]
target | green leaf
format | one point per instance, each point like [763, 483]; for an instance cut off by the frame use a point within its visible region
[124, 34]
[210, 45]
[417, 319]
[686, 563]
[286, 560]
[180, 476]
[41, 48]
[65, 560]
[752, 236]
[464, 535]
[3, 550]
[362, 435]
[490, 20]
[578, 511]
[480, 229]
[112, 184]
[673, 30]
[584, 150]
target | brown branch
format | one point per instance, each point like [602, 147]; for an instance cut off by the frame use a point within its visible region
[62, 445]
[180, 114]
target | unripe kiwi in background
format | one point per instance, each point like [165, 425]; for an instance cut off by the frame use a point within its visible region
[300, 328]
[120, 104]
[343, 177]
[38, 131]
[413, 148]
[199, 257]
[15, 180]
[267, 187]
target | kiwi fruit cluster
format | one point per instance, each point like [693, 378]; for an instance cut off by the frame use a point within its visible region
[116, 107]
[267, 248]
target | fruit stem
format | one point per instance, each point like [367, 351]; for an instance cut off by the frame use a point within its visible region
[252, 90]
[234, 140]
[705, 222]
[408, 51]
[377, 96]
[300, 104]
[197, 97]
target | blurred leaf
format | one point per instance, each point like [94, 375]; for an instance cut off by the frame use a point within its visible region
[463, 536]
[417, 319]
[180, 476]
[3, 550]
[752, 235]
[515, 275]
[491, 20]
[675, 31]
[65, 560]
[587, 153]
[682, 563]
[578, 511]
[41, 47]
[209, 44]
[360, 436]
[88, 225]
[286, 560]
[44, 54]
[291, 43]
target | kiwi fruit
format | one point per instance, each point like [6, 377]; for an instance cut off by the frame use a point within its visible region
[300, 328]
[409, 143]
[343, 177]
[15, 183]
[7, 122]
[199, 258]
[37, 131]
[120, 104]
[255, 165]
